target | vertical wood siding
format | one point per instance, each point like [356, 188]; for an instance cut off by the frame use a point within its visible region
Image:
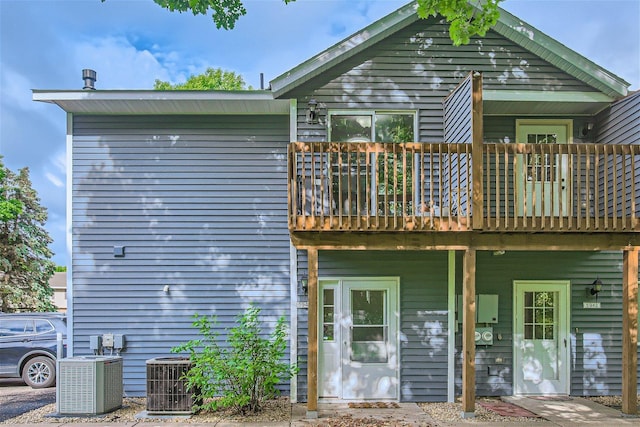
[199, 203]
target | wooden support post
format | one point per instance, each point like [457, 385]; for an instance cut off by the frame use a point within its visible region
[312, 356]
[477, 140]
[630, 331]
[468, 333]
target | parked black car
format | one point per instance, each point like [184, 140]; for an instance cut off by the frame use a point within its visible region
[28, 346]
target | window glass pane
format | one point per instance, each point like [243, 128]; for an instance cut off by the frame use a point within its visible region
[528, 299]
[328, 296]
[43, 326]
[327, 332]
[351, 128]
[369, 352]
[10, 327]
[368, 307]
[368, 333]
[328, 314]
[394, 127]
[528, 332]
[548, 332]
[528, 315]
[538, 333]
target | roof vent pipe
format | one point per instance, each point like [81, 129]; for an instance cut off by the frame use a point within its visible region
[89, 77]
[261, 81]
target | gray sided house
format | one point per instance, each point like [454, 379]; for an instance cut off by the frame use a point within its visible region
[433, 221]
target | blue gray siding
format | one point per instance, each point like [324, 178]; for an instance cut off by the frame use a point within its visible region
[423, 314]
[199, 203]
[416, 68]
[458, 123]
[596, 336]
[620, 124]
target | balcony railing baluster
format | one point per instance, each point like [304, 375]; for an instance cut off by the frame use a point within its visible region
[428, 187]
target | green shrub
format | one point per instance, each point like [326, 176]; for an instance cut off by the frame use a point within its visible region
[242, 374]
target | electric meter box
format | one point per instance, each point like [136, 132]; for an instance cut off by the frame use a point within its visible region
[486, 308]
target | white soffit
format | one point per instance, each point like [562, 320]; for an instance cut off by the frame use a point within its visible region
[164, 102]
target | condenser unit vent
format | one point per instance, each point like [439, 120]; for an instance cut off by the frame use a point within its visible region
[167, 387]
[89, 385]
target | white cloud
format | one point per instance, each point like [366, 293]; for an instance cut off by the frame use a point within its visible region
[119, 64]
[54, 179]
[59, 160]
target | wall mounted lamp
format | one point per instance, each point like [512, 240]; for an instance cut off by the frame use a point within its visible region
[595, 289]
[587, 127]
[313, 116]
[304, 285]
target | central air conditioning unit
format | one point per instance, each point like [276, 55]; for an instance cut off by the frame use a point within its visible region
[167, 386]
[89, 385]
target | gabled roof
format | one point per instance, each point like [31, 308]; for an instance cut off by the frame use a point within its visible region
[508, 26]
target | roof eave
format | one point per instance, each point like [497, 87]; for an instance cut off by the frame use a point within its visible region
[560, 55]
[508, 26]
[163, 102]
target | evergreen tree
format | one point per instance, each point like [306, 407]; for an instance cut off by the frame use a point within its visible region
[25, 257]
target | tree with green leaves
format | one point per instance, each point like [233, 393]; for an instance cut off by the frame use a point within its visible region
[463, 18]
[25, 257]
[9, 207]
[465, 21]
[211, 79]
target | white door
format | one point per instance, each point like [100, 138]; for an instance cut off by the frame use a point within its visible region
[359, 347]
[544, 179]
[541, 338]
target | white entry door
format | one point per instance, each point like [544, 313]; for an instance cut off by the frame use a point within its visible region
[541, 338]
[543, 183]
[359, 342]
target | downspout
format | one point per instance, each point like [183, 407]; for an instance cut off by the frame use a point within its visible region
[69, 236]
[293, 271]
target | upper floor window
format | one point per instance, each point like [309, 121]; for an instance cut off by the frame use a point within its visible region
[372, 126]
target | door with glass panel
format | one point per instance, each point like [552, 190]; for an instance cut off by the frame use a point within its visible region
[541, 338]
[359, 343]
[372, 181]
[543, 176]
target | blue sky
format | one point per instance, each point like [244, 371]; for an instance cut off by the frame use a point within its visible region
[45, 44]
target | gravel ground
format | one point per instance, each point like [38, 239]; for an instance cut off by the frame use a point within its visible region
[280, 410]
[452, 412]
[275, 410]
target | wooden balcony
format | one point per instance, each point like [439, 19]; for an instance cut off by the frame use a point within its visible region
[428, 187]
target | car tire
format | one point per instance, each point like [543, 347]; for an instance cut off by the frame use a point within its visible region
[39, 372]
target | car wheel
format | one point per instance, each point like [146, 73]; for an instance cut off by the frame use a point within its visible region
[39, 372]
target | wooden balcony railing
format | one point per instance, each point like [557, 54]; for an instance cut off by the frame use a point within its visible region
[427, 187]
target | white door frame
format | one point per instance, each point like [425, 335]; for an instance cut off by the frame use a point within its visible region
[561, 180]
[563, 385]
[330, 387]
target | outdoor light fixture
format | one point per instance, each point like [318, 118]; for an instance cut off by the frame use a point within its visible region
[595, 289]
[312, 112]
[304, 285]
[587, 127]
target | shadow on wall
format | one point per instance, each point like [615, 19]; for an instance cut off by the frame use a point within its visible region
[595, 365]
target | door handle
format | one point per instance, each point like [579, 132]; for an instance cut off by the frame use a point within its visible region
[565, 343]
